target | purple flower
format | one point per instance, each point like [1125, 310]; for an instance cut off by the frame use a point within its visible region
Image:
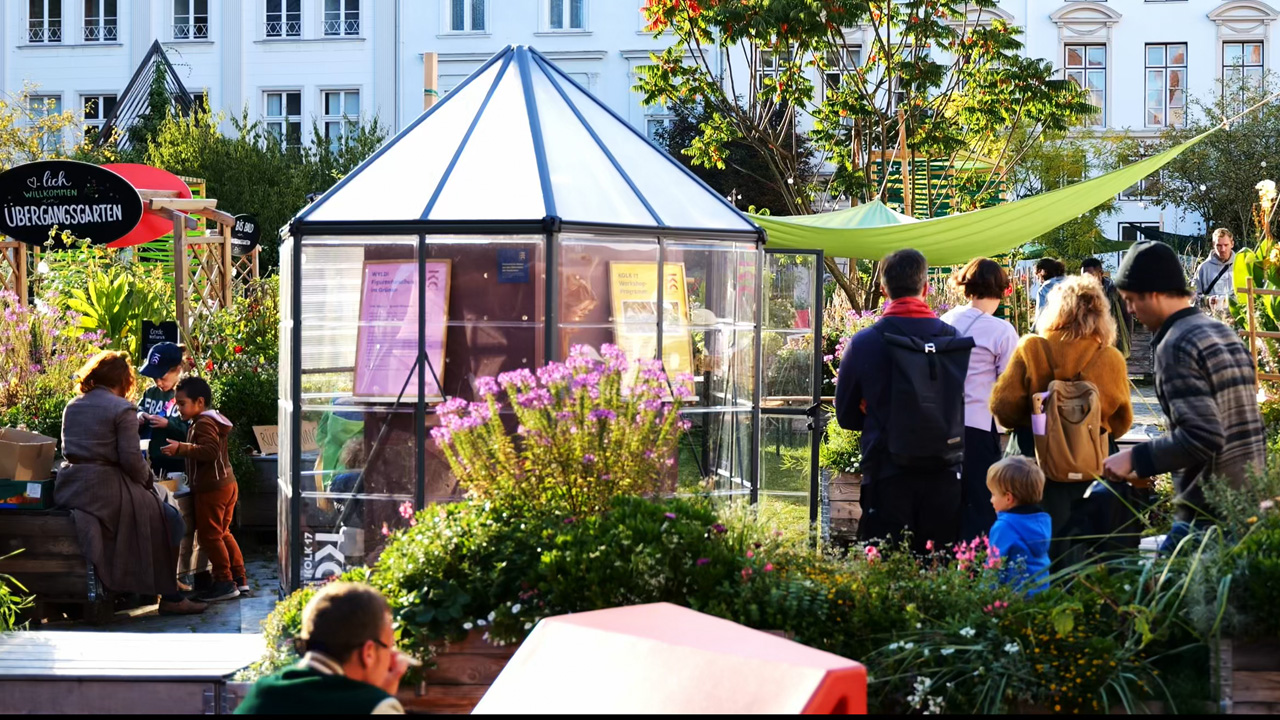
[721, 529]
[603, 414]
[441, 434]
[452, 406]
[588, 459]
[487, 386]
[670, 516]
[703, 561]
[570, 520]
[554, 374]
[564, 416]
[535, 399]
[520, 377]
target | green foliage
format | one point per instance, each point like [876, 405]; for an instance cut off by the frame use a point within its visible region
[1259, 582]
[115, 302]
[1215, 179]
[841, 450]
[13, 600]
[160, 107]
[1058, 162]
[254, 172]
[282, 630]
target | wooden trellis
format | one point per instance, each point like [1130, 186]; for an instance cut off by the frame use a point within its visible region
[202, 265]
[13, 268]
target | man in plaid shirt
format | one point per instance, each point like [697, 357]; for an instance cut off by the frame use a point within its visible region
[1207, 386]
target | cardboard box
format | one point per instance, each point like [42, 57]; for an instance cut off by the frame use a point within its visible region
[25, 456]
[27, 495]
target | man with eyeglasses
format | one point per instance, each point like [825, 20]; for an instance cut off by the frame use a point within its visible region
[351, 666]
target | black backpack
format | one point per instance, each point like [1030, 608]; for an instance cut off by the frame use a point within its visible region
[925, 428]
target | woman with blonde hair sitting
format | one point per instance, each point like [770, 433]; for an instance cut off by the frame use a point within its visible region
[126, 529]
[1076, 341]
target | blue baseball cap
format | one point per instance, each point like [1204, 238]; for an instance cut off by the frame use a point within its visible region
[164, 357]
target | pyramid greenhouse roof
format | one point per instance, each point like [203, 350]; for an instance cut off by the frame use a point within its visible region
[519, 142]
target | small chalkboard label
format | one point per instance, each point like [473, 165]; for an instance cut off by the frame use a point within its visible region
[245, 235]
[154, 333]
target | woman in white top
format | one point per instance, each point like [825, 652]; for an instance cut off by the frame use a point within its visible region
[984, 283]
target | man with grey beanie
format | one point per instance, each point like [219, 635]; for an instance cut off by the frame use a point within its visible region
[1207, 386]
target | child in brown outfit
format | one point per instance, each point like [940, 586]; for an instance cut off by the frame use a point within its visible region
[214, 484]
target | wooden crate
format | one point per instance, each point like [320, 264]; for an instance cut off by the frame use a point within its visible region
[51, 565]
[845, 493]
[1249, 677]
[463, 673]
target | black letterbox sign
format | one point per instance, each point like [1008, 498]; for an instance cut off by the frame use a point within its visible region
[245, 235]
[93, 203]
[154, 333]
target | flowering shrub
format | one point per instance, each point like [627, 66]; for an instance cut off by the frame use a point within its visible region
[586, 431]
[40, 349]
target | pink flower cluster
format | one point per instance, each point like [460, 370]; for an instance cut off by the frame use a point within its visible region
[978, 551]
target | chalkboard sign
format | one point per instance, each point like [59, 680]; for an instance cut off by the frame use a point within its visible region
[154, 333]
[245, 235]
[92, 203]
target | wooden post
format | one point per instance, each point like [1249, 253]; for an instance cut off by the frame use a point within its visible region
[20, 268]
[904, 165]
[228, 268]
[180, 271]
[430, 80]
[256, 272]
[1253, 330]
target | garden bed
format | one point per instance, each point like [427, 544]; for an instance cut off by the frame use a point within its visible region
[1249, 677]
[462, 674]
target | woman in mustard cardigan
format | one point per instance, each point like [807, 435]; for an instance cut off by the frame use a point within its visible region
[1077, 337]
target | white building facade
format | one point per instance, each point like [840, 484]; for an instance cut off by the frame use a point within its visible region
[292, 63]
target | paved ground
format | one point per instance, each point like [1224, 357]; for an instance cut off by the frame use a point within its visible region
[242, 615]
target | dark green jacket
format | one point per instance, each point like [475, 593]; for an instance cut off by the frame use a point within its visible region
[313, 688]
[157, 402]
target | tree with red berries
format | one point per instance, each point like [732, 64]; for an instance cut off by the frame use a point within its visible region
[939, 83]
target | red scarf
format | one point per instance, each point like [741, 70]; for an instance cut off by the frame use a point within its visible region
[908, 307]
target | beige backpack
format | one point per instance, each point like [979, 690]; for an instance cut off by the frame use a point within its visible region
[1071, 443]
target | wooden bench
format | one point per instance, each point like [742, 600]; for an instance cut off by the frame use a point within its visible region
[51, 565]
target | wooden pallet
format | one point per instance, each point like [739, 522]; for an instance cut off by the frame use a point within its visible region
[1249, 677]
[845, 493]
[51, 565]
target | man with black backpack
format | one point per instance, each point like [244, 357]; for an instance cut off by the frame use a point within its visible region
[901, 383]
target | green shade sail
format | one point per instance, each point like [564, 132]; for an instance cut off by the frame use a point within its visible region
[954, 239]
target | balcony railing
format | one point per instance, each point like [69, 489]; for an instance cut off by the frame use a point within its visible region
[191, 31]
[342, 27]
[100, 33]
[288, 28]
[43, 34]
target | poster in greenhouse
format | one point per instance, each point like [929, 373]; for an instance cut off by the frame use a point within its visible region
[387, 339]
[633, 288]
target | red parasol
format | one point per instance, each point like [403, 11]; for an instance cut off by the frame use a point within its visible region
[144, 177]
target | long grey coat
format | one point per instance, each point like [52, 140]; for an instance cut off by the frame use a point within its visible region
[109, 489]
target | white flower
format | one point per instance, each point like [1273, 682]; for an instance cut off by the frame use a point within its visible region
[1127, 587]
[1011, 648]
[947, 650]
[909, 646]
[528, 626]
[918, 626]
[466, 626]
[515, 609]
[968, 632]
[490, 616]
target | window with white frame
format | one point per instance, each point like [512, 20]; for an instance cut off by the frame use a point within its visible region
[44, 21]
[1166, 85]
[100, 21]
[566, 14]
[1242, 68]
[768, 65]
[190, 19]
[341, 17]
[840, 64]
[200, 102]
[284, 18]
[282, 114]
[96, 108]
[1129, 230]
[467, 15]
[42, 107]
[1086, 66]
[657, 118]
[341, 114]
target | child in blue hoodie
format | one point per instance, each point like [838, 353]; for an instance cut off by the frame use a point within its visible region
[1021, 531]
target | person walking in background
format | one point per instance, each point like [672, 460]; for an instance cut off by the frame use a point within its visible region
[1049, 272]
[1119, 311]
[1214, 277]
[984, 283]
[1076, 342]
[1206, 384]
[911, 482]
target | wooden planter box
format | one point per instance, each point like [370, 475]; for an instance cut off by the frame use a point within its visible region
[463, 673]
[845, 493]
[1249, 677]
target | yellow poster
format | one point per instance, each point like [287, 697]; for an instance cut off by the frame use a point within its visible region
[633, 288]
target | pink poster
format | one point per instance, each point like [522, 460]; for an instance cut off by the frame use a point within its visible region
[387, 341]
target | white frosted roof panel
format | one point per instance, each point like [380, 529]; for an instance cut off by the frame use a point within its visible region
[496, 177]
[588, 188]
[678, 199]
[398, 184]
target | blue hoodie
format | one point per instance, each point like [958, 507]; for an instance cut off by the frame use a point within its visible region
[1021, 534]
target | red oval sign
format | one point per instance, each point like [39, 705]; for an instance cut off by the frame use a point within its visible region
[145, 177]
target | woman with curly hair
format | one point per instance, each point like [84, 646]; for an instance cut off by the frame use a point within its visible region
[126, 528]
[1075, 341]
